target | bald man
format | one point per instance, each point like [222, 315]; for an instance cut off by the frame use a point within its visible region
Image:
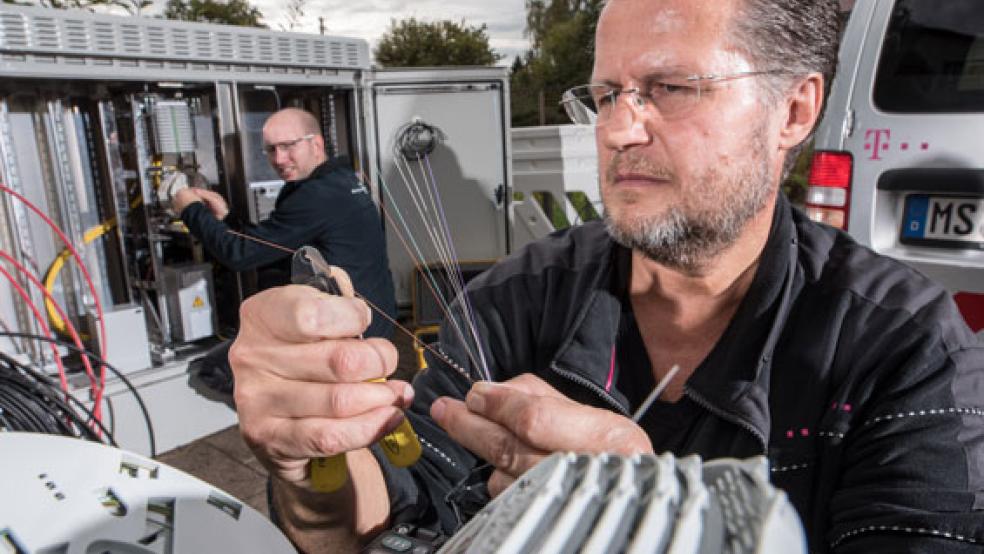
[323, 205]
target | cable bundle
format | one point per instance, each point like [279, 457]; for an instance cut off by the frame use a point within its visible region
[98, 383]
[48, 398]
[93, 423]
[32, 402]
[417, 139]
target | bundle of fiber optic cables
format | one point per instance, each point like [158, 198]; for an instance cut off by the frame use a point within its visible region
[30, 401]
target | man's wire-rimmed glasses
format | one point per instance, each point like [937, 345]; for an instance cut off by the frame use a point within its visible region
[674, 97]
[286, 146]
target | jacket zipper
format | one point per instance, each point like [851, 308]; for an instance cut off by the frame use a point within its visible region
[703, 403]
[699, 400]
[600, 392]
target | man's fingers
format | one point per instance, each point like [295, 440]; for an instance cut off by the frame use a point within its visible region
[531, 384]
[210, 196]
[499, 481]
[299, 313]
[286, 399]
[344, 282]
[338, 361]
[286, 439]
[553, 424]
[485, 438]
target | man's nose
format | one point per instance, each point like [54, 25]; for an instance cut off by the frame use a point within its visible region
[627, 126]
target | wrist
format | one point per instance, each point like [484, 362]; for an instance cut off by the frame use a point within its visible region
[356, 512]
[181, 207]
[300, 507]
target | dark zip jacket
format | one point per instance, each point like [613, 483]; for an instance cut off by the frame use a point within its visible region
[331, 211]
[854, 374]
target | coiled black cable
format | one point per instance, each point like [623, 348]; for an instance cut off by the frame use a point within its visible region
[55, 400]
[30, 401]
[417, 140]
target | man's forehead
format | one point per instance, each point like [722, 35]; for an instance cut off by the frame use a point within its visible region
[668, 16]
[281, 125]
[645, 37]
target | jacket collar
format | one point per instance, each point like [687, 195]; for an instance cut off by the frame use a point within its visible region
[292, 186]
[734, 378]
[733, 381]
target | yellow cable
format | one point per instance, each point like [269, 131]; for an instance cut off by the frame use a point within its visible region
[51, 275]
[56, 266]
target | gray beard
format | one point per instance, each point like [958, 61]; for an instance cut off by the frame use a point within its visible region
[687, 240]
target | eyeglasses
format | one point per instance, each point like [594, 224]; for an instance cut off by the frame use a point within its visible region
[672, 97]
[286, 146]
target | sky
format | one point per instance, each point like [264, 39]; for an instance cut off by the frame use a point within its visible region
[369, 19]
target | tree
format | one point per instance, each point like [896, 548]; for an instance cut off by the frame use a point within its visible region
[231, 12]
[413, 43]
[294, 14]
[561, 36]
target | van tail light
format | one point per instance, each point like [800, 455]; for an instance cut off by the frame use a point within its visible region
[971, 306]
[828, 198]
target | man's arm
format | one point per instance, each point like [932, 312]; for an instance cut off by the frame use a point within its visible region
[912, 464]
[291, 225]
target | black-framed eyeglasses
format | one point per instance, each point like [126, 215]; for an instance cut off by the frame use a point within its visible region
[674, 97]
[286, 146]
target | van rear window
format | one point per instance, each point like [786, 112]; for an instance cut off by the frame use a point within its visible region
[933, 58]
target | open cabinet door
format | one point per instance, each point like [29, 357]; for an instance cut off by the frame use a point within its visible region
[439, 160]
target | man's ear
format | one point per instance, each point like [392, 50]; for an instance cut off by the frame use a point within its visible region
[319, 142]
[803, 106]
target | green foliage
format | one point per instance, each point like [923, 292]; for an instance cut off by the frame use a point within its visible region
[796, 183]
[413, 43]
[562, 37]
[231, 12]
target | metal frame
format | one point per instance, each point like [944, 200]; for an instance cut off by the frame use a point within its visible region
[20, 244]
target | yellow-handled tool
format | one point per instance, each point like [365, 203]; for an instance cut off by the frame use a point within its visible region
[400, 446]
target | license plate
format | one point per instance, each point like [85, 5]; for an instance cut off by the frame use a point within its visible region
[943, 220]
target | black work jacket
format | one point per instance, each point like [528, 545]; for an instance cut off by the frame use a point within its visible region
[854, 374]
[330, 210]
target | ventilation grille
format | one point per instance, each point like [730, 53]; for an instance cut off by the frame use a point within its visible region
[30, 30]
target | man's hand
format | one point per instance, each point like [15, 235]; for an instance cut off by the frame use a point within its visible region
[513, 425]
[215, 203]
[184, 198]
[300, 378]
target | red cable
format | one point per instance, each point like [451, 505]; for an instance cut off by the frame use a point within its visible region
[88, 279]
[61, 313]
[44, 326]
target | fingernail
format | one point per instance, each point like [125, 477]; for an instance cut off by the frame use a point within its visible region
[407, 394]
[438, 408]
[475, 401]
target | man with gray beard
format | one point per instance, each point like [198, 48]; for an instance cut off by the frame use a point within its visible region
[855, 375]
[686, 237]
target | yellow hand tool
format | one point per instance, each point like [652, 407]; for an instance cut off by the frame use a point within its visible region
[400, 446]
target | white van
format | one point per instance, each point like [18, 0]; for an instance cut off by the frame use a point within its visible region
[899, 159]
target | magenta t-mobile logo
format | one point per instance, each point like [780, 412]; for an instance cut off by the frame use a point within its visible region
[877, 140]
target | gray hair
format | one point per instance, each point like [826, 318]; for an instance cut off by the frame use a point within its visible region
[798, 36]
